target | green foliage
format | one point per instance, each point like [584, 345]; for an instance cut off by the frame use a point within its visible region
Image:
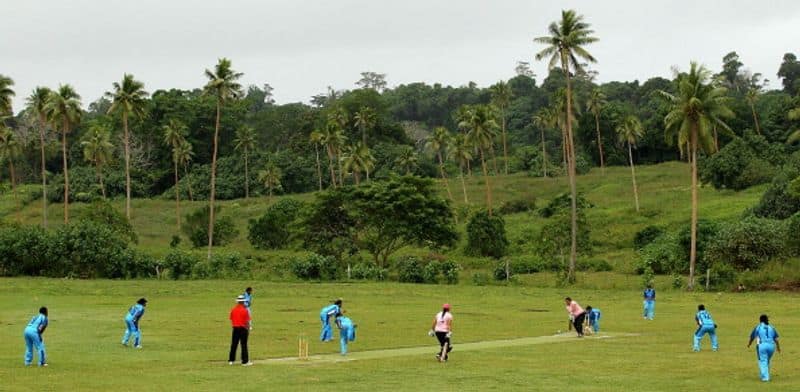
[677, 281]
[103, 213]
[368, 271]
[748, 243]
[195, 226]
[328, 228]
[594, 265]
[83, 181]
[777, 202]
[517, 205]
[315, 267]
[180, 263]
[222, 266]
[669, 252]
[722, 276]
[410, 270]
[792, 230]
[741, 164]
[563, 202]
[274, 229]
[480, 279]
[24, 250]
[555, 236]
[646, 236]
[647, 276]
[486, 235]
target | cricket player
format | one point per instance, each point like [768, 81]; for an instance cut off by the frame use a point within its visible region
[442, 328]
[326, 335]
[593, 318]
[705, 325]
[577, 313]
[347, 331]
[649, 302]
[132, 318]
[33, 337]
[248, 300]
[766, 338]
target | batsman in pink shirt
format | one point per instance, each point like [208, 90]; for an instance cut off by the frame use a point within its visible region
[577, 313]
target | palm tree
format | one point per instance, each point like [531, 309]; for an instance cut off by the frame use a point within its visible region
[270, 177]
[501, 98]
[358, 158]
[97, 149]
[595, 104]
[460, 151]
[184, 154]
[245, 141]
[339, 119]
[482, 130]
[794, 114]
[128, 99]
[64, 108]
[316, 138]
[10, 150]
[334, 139]
[544, 119]
[365, 120]
[36, 104]
[222, 85]
[565, 45]
[438, 142]
[752, 96]
[175, 137]
[696, 108]
[630, 131]
[6, 92]
[407, 159]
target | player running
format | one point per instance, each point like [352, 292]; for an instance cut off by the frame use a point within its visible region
[33, 337]
[766, 338]
[132, 318]
[326, 335]
[705, 325]
[442, 328]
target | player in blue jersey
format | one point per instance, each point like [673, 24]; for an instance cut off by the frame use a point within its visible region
[132, 318]
[347, 331]
[649, 302]
[33, 337]
[766, 338]
[593, 319]
[705, 325]
[326, 335]
[248, 301]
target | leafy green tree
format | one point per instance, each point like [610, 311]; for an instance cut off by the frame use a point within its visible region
[460, 151]
[482, 130]
[630, 132]
[501, 98]
[175, 137]
[183, 154]
[794, 115]
[565, 45]
[438, 142]
[595, 104]
[695, 110]
[407, 160]
[335, 139]
[97, 149]
[64, 109]
[486, 235]
[37, 105]
[545, 118]
[6, 93]
[752, 96]
[128, 99]
[10, 150]
[270, 177]
[365, 120]
[316, 138]
[789, 72]
[245, 141]
[358, 159]
[223, 86]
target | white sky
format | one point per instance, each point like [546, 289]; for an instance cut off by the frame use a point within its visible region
[302, 46]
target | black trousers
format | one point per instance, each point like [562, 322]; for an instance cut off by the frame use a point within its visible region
[239, 336]
[442, 337]
[578, 323]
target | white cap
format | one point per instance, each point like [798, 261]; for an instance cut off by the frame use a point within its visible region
[240, 298]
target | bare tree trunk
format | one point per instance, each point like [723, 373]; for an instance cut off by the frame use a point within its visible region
[693, 247]
[633, 176]
[493, 157]
[42, 122]
[356, 177]
[127, 167]
[573, 255]
[188, 183]
[488, 186]
[716, 139]
[463, 185]
[66, 172]
[330, 166]
[213, 184]
[444, 178]
[100, 178]
[755, 118]
[319, 167]
[339, 164]
[544, 156]
[505, 142]
[177, 198]
[600, 144]
[246, 177]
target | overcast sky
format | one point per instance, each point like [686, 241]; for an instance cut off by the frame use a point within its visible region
[300, 47]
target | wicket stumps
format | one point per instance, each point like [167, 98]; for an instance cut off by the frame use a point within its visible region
[302, 347]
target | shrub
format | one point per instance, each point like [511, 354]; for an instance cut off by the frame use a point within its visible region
[516, 206]
[222, 266]
[748, 243]
[563, 202]
[646, 236]
[593, 265]
[450, 271]
[24, 250]
[103, 213]
[430, 272]
[274, 229]
[486, 235]
[180, 264]
[722, 275]
[792, 236]
[409, 270]
[195, 226]
[480, 279]
[661, 256]
[368, 271]
[315, 266]
[677, 281]
[777, 202]
[527, 264]
[706, 231]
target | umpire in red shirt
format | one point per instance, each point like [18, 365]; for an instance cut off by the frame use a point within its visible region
[240, 320]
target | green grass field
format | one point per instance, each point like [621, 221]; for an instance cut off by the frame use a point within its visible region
[186, 336]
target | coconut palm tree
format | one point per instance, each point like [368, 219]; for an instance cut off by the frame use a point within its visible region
[407, 160]
[223, 86]
[565, 47]
[97, 149]
[338, 117]
[184, 155]
[365, 120]
[695, 110]
[270, 177]
[751, 97]
[595, 104]
[629, 132]
[546, 118]
[63, 108]
[482, 130]
[357, 159]
[437, 142]
[501, 98]
[245, 141]
[128, 98]
[460, 151]
[335, 140]
[10, 150]
[36, 104]
[6, 93]
[316, 138]
[175, 137]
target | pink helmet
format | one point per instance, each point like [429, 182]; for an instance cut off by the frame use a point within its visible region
[446, 306]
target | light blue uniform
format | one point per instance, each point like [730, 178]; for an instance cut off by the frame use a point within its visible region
[649, 303]
[347, 332]
[594, 319]
[765, 347]
[248, 300]
[706, 326]
[33, 339]
[326, 335]
[132, 325]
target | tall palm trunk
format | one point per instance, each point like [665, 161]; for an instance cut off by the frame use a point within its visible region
[444, 178]
[357, 177]
[486, 181]
[177, 198]
[339, 164]
[600, 146]
[188, 183]
[66, 171]
[716, 138]
[573, 254]
[693, 246]
[14, 186]
[127, 167]
[246, 177]
[100, 178]
[42, 122]
[319, 166]
[213, 184]
[505, 143]
[544, 156]
[755, 118]
[463, 184]
[633, 176]
[330, 166]
[494, 158]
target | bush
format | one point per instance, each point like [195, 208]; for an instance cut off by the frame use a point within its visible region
[409, 270]
[748, 243]
[24, 250]
[792, 230]
[180, 264]
[736, 166]
[195, 226]
[646, 236]
[593, 265]
[480, 279]
[103, 213]
[516, 206]
[777, 202]
[722, 275]
[563, 202]
[450, 271]
[222, 266]
[430, 273]
[368, 271]
[275, 228]
[486, 235]
[315, 266]
[527, 264]
[663, 255]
